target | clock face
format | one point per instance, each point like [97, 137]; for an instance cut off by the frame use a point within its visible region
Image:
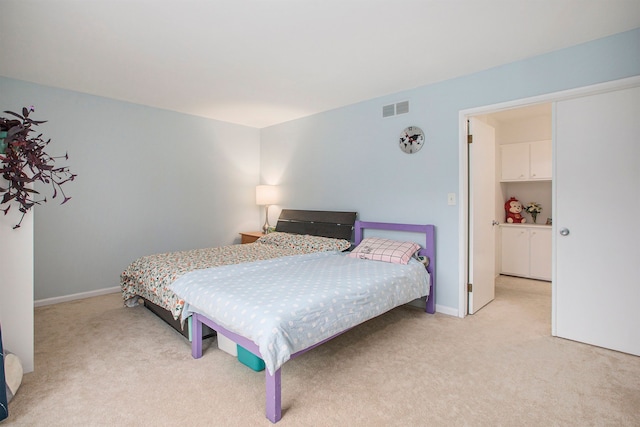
[411, 139]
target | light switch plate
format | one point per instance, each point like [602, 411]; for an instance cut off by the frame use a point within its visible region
[451, 199]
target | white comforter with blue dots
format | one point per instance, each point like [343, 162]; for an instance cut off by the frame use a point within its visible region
[288, 304]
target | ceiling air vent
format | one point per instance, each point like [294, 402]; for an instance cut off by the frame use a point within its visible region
[395, 109]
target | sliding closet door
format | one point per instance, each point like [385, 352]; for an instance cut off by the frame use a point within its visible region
[597, 224]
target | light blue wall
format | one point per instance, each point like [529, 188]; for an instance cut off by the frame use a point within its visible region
[348, 158]
[153, 181]
[149, 181]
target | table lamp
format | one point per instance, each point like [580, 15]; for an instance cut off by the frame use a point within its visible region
[266, 195]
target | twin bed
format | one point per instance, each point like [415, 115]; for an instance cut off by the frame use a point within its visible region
[279, 307]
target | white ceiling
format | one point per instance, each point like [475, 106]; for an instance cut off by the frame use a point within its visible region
[263, 62]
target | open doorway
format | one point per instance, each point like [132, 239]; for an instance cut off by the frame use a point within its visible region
[509, 158]
[596, 121]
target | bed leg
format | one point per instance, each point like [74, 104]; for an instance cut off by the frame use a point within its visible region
[274, 393]
[196, 337]
[430, 306]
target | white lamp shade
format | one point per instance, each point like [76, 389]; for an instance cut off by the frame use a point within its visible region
[267, 195]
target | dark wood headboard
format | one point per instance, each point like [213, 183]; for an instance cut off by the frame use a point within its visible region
[338, 225]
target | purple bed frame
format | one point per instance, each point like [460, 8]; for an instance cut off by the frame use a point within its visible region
[273, 382]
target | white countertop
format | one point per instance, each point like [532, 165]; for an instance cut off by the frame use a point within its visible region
[526, 224]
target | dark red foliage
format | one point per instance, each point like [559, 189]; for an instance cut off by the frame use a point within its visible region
[24, 162]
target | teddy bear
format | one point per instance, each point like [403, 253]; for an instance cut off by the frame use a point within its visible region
[513, 208]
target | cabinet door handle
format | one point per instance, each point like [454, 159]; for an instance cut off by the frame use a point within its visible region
[564, 231]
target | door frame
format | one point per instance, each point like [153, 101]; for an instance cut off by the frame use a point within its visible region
[463, 176]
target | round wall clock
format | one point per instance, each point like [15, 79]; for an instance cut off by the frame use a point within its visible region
[411, 139]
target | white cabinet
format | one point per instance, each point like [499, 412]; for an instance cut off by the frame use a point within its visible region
[540, 160]
[526, 251]
[540, 253]
[515, 162]
[515, 251]
[526, 161]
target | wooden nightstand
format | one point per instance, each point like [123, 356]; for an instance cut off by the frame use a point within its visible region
[250, 236]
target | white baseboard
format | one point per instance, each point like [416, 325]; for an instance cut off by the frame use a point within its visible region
[73, 297]
[446, 310]
[442, 309]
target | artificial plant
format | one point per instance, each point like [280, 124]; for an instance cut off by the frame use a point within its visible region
[23, 161]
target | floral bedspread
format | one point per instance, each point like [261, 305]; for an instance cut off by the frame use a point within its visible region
[150, 277]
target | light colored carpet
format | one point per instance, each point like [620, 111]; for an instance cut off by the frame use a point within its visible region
[99, 363]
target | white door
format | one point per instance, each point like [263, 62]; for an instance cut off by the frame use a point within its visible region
[596, 204]
[482, 234]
